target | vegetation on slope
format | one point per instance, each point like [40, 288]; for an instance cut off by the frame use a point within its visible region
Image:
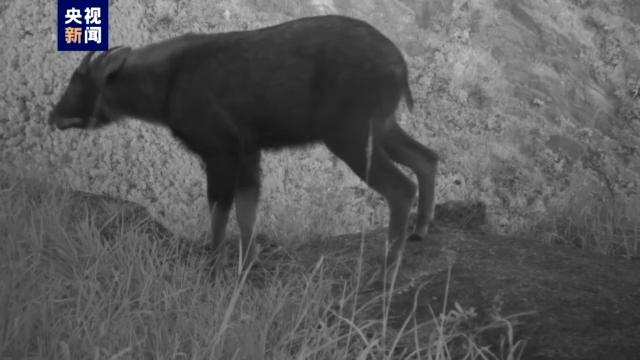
[76, 284]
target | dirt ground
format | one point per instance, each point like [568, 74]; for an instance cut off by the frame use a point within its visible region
[584, 306]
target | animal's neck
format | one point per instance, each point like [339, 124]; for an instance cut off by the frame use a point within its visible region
[138, 93]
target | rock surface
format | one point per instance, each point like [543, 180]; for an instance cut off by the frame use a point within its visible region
[532, 105]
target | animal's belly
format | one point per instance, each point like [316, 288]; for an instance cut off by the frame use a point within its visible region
[277, 138]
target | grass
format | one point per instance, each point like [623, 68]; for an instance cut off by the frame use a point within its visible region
[66, 292]
[599, 220]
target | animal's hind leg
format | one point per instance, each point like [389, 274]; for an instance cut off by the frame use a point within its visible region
[423, 161]
[382, 175]
[247, 196]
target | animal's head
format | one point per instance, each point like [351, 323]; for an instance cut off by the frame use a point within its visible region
[79, 106]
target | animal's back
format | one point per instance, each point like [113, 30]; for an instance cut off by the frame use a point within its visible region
[297, 75]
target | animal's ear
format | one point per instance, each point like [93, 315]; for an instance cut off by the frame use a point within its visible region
[114, 61]
[83, 68]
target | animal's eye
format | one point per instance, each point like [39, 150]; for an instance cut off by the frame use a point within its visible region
[80, 72]
[80, 77]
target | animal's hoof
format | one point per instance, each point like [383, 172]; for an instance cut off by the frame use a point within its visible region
[415, 238]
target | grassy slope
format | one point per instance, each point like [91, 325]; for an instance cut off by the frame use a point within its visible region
[91, 276]
[76, 284]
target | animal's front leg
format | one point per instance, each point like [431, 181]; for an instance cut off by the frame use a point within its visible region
[219, 218]
[221, 175]
[247, 195]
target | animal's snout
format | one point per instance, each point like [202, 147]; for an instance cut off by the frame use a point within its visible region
[62, 123]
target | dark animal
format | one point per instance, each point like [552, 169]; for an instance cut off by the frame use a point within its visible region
[227, 96]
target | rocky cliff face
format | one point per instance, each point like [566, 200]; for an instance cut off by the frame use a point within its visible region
[534, 107]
